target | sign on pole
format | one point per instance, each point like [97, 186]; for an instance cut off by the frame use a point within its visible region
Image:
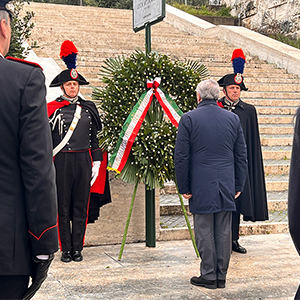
[147, 12]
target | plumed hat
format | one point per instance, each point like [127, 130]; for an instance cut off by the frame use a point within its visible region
[68, 53]
[238, 62]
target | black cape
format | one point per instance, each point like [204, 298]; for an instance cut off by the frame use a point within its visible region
[294, 189]
[89, 105]
[252, 203]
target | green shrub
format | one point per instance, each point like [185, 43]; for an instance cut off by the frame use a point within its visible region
[20, 30]
[204, 10]
[286, 40]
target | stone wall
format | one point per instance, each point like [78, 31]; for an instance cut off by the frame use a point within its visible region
[109, 228]
[268, 16]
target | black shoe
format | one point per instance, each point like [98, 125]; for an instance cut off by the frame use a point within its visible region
[209, 284]
[236, 247]
[66, 256]
[77, 256]
[221, 284]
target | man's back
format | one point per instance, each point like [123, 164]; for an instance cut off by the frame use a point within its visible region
[213, 145]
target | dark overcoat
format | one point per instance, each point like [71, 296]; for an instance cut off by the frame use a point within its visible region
[28, 208]
[252, 203]
[294, 190]
[210, 158]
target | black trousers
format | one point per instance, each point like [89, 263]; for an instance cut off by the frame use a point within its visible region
[73, 176]
[13, 287]
[236, 217]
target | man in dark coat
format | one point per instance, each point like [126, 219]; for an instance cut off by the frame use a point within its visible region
[252, 203]
[209, 180]
[28, 203]
[294, 190]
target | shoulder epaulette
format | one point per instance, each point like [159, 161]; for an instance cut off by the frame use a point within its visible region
[24, 61]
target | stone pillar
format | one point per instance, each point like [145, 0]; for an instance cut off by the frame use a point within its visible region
[109, 228]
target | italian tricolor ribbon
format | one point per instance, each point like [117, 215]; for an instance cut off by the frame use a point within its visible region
[135, 119]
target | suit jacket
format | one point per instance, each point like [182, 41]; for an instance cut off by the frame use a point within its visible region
[210, 158]
[28, 203]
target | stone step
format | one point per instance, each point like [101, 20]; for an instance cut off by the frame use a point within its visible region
[276, 140]
[268, 87]
[276, 110]
[276, 167]
[271, 102]
[174, 227]
[170, 203]
[274, 183]
[249, 96]
[249, 71]
[91, 67]
[276, 152]
[272, 129]
[223, 64]
[275, 119]
[258, 76]
[208, 63]
[272, 95]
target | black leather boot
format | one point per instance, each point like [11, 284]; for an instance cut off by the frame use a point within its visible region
[77, 256]
[66, 256]
[236, 247]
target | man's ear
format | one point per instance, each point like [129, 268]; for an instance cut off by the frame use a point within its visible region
[199, 98]
[3, 28]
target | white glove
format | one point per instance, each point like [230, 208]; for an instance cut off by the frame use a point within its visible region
[95, 171]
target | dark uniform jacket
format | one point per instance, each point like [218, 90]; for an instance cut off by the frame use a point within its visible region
[294, 190]
[294, 186]
[210, 158]
[252, 203]
[28, 208]
[84, 137]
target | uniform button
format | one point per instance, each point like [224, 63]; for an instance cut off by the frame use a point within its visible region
[69, 148]
[89, 134]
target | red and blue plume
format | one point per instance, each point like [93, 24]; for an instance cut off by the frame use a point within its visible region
[238, 61]
[68, 53]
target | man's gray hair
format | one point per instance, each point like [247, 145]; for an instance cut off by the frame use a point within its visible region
[208, 89]
[4, 15]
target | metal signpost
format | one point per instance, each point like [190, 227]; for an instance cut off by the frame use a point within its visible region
[145, 14]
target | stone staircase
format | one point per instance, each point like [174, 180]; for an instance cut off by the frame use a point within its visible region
[100, 33]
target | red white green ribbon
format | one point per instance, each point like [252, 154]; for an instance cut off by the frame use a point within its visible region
[135, 119]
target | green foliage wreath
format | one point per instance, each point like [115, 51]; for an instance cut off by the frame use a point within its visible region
[151, 158]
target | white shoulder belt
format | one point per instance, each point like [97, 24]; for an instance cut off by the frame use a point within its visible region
[77, 116]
